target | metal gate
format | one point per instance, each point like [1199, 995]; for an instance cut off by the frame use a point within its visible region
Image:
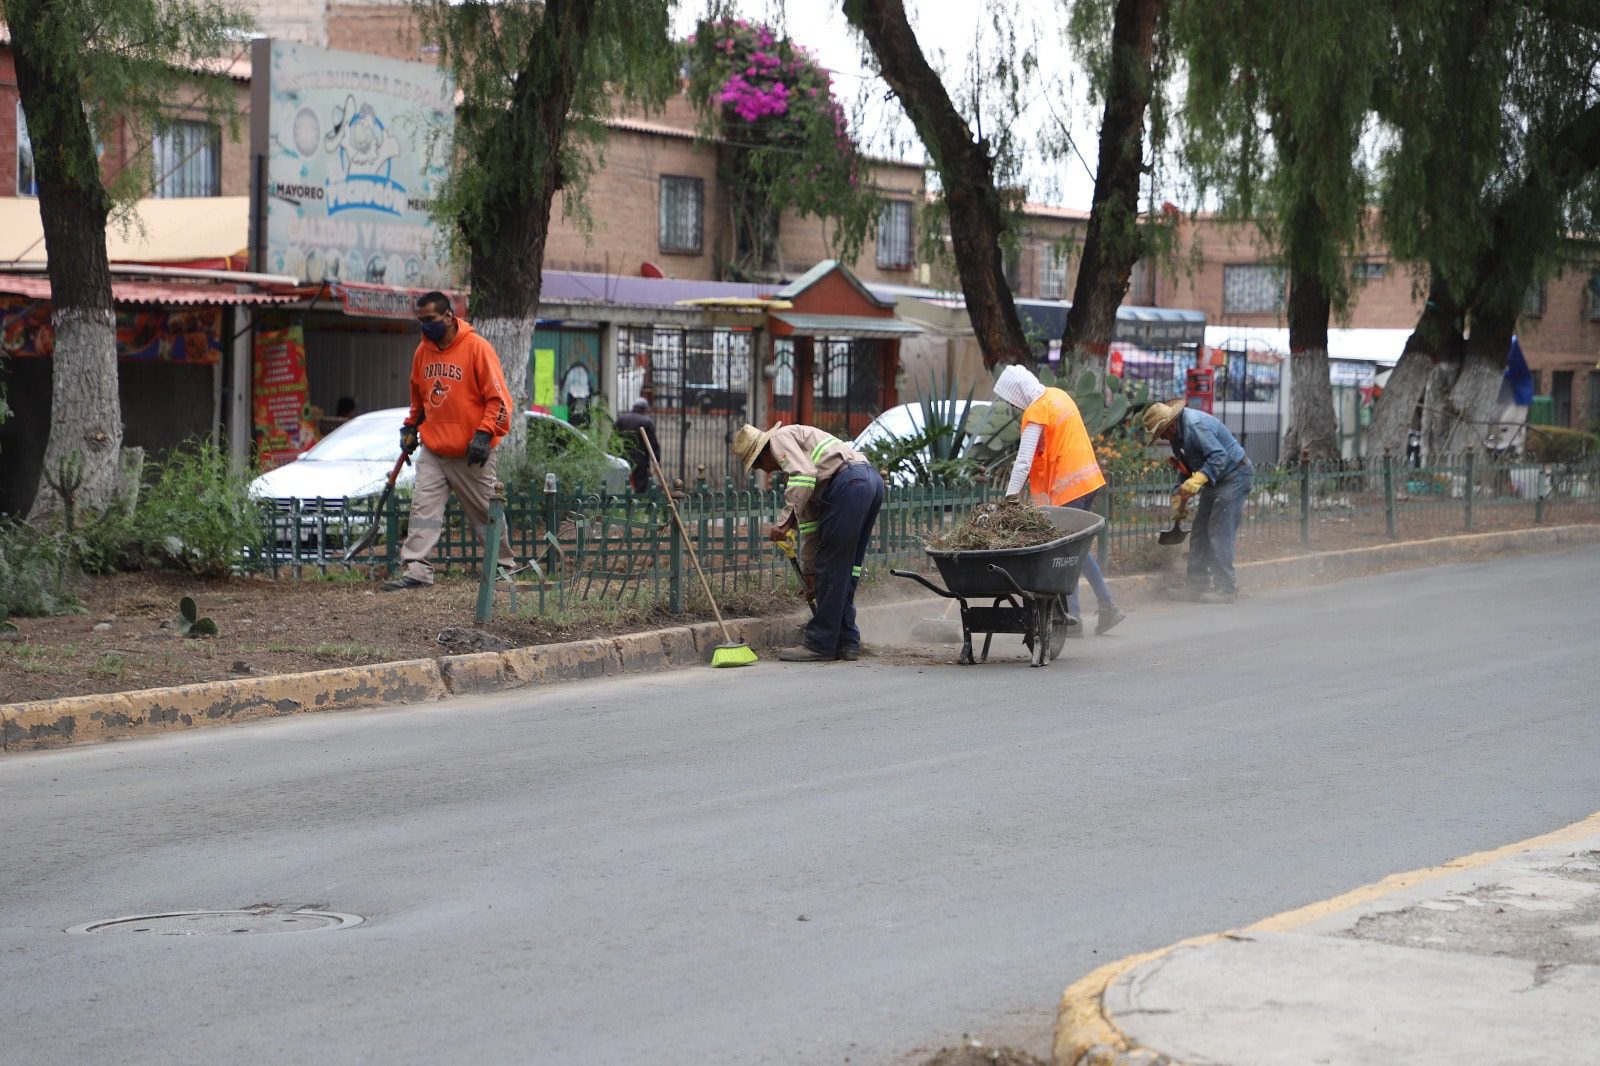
[564, 372]
[846, 384]
[697, 382]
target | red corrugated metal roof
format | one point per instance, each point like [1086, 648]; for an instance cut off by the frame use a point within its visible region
[158, 293]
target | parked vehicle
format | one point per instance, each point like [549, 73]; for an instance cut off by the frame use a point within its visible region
[909, 419]
[349, 465]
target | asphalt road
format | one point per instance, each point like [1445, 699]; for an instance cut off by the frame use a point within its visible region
[793, 864]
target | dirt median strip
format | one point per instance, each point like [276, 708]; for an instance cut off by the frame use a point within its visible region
[46, 723]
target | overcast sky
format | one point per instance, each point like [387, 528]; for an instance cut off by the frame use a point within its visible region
[949, 32]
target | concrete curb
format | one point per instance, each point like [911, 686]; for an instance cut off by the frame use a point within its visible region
[1087, 1036]
[44, 723]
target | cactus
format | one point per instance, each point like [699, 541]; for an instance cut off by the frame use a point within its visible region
[190, 624]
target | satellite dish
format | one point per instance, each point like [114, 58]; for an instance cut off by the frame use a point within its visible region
[648, 269]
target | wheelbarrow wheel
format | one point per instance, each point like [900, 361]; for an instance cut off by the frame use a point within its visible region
[1062, 625]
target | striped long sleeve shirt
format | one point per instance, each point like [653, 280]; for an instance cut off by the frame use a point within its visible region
[809, 457]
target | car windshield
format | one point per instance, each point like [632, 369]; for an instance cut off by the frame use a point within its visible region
[370, 438]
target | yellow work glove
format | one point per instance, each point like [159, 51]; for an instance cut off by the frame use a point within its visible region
[1195, 483]
[790, 544]
[1180, 507]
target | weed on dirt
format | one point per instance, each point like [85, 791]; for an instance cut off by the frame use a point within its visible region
[1006, 523]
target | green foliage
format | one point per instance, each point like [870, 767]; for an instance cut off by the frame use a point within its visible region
[190, 621]
[132, 58]
[35, 568]
[536, 82]
[937, 452]
[196, 514]
[1554, 444]
[577, 457]
[786, 143]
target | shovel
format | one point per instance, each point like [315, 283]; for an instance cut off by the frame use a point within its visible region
[1177, 534]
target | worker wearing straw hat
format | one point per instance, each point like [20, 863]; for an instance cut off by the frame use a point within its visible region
[831, 496]
[1218, 473]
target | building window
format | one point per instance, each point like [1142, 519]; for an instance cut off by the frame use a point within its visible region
[27, 181]
[188, 160]
[1364, 270]
[1011, 263]
[682, 215]
[1592, 303]
[1594, 401]
[1252, 289]
[894, 235]
[1052, 271]
[1561, 397]
[1533, 300]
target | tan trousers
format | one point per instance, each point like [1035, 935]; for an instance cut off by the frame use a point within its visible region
[437, 478]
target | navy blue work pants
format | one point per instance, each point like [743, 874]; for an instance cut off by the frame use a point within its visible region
[850, 503]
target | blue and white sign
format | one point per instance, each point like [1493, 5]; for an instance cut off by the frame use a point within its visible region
[354, 148]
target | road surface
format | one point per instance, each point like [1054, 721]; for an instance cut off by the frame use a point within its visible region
[788, 864]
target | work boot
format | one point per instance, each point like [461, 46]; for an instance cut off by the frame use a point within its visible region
[404, 581]
[847, 655]
[1186, 594]
[1107, 618]
[1219, 597]
[802, 654]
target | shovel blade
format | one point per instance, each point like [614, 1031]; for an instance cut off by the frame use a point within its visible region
[1174, 535]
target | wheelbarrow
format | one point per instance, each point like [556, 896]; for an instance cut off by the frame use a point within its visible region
[1028, 586]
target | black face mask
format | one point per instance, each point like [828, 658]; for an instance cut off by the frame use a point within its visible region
[434, 330]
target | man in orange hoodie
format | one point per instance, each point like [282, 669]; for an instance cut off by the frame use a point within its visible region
[460, 408]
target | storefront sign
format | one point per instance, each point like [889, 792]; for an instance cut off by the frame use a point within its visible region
[353, 147]
[187, 335]
[280, 401]
[374, 301]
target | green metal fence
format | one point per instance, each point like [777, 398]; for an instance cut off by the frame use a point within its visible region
[626, 548]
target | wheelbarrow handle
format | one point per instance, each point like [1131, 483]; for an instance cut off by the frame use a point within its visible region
[925, 583]
[1003, 572]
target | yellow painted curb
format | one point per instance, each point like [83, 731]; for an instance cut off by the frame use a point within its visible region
[1086, 1037]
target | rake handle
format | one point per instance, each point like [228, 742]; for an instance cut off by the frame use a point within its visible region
[694, 557]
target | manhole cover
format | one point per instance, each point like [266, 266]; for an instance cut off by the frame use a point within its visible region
[222, 923]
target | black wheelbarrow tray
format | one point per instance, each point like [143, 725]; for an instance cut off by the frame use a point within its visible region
[1028, 586]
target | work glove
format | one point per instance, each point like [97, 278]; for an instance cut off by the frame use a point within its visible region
[1195, 483]
[1180, 507]
[478, 449]
[779, 533]
[408, 438]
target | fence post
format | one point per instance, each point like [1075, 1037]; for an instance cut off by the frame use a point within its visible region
[391, 537]
[1540, 491]
[552, 558]
[1471, 469]
[1305, 497]
[493, 530]
[1388, 490]
[675, 573]
[1103, 541]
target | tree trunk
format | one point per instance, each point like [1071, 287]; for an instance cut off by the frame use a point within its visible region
[507, 242]
[1112, 243]
[1437, 337]
[966, 174]
[85, 416]
[1312, 426]
[1474, 398]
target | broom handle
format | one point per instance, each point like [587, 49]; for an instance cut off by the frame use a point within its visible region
[694, 556]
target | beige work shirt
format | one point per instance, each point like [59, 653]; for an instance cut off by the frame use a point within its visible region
[809, 456]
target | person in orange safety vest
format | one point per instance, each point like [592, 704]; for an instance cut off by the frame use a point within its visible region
[1056, 464]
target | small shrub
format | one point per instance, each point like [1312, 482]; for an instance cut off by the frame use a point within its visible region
[35, 572]
[196, 515]
[576, 459]
[1552, 444]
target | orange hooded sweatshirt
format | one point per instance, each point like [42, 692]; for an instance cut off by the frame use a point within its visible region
[457, 391]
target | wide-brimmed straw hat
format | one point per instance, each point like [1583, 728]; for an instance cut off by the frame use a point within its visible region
[748, 442]
[1158, 416]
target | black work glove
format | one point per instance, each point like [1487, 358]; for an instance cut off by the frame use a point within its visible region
[408, 438]
[478, 450]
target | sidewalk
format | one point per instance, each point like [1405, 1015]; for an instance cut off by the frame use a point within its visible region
[1492, 958]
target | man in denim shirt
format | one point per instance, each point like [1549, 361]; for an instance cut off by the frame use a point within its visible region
[1217, 472]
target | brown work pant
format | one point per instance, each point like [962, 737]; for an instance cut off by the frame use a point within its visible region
[437, 478]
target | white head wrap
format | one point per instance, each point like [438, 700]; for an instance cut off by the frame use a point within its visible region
[1017, 386]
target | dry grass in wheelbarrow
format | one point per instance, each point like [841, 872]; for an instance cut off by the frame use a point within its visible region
[1006, 523]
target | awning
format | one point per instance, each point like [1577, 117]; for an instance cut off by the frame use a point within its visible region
[200, 229]
[1372, 345]
[155, 293]
[795, 324]
[1148, 327]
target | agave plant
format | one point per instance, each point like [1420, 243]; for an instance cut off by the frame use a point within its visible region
[936, 451]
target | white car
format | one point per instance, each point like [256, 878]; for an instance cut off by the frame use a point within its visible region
[906, 420]
[353, 461]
